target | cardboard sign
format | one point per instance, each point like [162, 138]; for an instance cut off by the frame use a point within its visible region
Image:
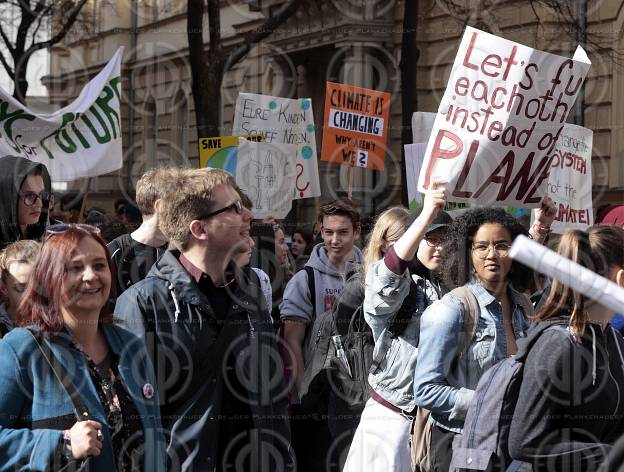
[266, 173]
[422, 125]
[356, 126]
[503, 111]
[285, 121]
[81, 140]
[221, 152]
[414, 156]
[570, 180]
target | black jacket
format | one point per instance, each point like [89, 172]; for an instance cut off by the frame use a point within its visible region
[190, 346]
[13, 172]
[570, 408]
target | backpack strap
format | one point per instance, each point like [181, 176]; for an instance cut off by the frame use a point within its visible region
[406, 311]
[397, 325]
[525, 303]
[311, 287]
[80, 409]
[471, 316]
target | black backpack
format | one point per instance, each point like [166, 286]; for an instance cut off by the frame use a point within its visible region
[123, 255]
[326, 374]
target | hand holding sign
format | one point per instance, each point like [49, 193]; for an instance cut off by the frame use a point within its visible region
[435, 199]
[545, 215]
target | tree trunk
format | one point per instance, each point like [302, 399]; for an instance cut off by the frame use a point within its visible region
[409, 58]
[207, 66]
[20, 84]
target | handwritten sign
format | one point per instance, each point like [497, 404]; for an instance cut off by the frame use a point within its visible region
[570, 179]
[356, 126]
[221, 152]
[81, 140]
[266, 173]
[503, 111]
[283, 121]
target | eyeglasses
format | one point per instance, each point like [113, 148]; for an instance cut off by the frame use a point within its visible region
[433, 242]
[237, 206]
[63, 227]
[30, 198]
[482, 250]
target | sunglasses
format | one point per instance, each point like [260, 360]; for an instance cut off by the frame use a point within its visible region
[237, 206]
[433, 242]
[64, 227]
[30, 198]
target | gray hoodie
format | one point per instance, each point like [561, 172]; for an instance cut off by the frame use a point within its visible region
[328, 281]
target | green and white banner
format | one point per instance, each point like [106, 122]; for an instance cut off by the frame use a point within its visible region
[81, 140]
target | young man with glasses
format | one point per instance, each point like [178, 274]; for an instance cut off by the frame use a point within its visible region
[24, 197]
[219, 377]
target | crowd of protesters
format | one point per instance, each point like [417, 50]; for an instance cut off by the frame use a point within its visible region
[178, 334]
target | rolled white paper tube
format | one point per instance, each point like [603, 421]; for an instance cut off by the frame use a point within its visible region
[581, 279]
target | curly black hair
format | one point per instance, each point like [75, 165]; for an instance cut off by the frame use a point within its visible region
[457, 261]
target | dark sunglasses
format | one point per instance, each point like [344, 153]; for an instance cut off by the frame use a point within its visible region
[30, 198]
[237, 206]
[433, 242]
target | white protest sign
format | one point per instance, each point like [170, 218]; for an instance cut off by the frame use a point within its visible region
[422, 125]
[499, 120]
[581, 279]
[266, 173]
[81, 140]
[285, 121]
[570, 180]
[414, 155]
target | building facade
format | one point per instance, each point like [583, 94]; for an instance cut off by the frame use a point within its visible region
[350, 41]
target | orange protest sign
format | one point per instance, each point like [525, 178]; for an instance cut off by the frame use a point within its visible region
[356, 126]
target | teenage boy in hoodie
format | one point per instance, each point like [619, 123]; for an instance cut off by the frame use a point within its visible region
[24, 197]
[340, 228]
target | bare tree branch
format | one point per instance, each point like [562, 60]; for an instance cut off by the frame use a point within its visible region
[7, 41]
[7, 67]
[71, 18]
[40, 17]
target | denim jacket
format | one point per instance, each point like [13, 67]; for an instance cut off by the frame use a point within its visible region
[443, 382]
[35, 408]
[385, 291]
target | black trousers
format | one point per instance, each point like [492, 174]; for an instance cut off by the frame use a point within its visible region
[441, 448]
[310, 441]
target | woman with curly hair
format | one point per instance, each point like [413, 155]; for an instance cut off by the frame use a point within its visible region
[476, 256]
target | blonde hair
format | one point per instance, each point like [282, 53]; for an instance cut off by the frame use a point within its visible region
[151, 187]
[24, 251]
[389, 227]
[598, 250]
[189, 196]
